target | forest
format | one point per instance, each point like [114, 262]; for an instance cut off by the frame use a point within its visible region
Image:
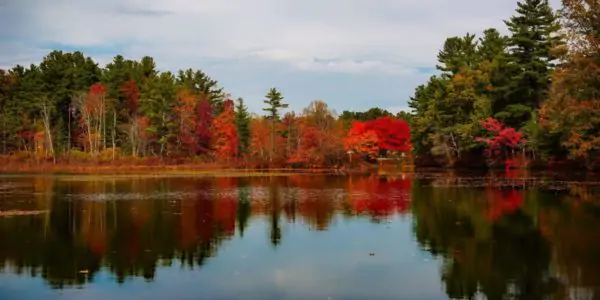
[526, 99]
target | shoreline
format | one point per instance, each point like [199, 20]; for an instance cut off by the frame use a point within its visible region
[165, 170]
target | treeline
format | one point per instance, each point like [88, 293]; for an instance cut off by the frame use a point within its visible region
[531, 97]
[68, 109]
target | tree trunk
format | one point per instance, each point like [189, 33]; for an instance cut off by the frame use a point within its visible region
[114, 133]
[103, 110]
[69, 132]
[272, 148]
[4, 134]
[48, 135]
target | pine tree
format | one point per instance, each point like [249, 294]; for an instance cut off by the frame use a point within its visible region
[242, 121]
[198, 82]
[457, 53]
[493, 52]
[275, 102]
[534, 30]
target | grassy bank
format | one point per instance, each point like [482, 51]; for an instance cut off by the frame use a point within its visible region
[197, 166]
[158, 170]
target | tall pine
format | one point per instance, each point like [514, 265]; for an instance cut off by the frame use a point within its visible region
[242, 121]
[274, 100]
[534, 36]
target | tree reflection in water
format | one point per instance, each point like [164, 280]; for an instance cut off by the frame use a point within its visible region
[509, 243]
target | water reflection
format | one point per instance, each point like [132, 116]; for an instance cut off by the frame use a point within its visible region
[128, 226]
[502, 243]
[510, 243]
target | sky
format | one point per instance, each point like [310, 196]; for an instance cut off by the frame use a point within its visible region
[352, 54]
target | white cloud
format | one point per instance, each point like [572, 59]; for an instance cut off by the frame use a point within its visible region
[354, 54]
[388, 36]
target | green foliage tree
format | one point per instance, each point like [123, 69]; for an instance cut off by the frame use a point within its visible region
[200, 83]
[457, 53]
[449, 108]
[62, 75]
[534, 37]
[242, 121]
[274, 100]
[504, 77]
[157, 99]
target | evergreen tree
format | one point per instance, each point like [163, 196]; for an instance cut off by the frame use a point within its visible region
[534, 30]
[493, 52]
[457, 53]
[157, 100]
[200, 83]
[275, 102]
[64, 74]
[5, 88]
[274, 99]
[242, 121]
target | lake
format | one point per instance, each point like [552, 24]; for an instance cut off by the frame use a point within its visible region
[410, 236]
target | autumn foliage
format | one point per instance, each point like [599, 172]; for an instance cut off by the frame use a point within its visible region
[224, 134]
[500, 141]
[361, 140]
[384, 133]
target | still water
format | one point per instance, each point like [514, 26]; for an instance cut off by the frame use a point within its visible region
[435, 236]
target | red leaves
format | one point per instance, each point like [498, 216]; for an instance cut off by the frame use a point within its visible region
[224, 133]
[382, 133]
[131, 92]
[98, 89]
[259, 138]
[500, 137]
[309, 151]
[510, 137]
[204, 118]
[185, 108]
[492, 125]
[362, 141]
[393, 134]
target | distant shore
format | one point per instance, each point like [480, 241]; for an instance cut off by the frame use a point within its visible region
[207, 170]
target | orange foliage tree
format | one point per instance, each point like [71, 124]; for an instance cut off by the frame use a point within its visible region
[224, 133]
[92, 108]
[308, 151]
[362, 140]
[378, 136]
[259, 140]
[314, 139]
[572, 112]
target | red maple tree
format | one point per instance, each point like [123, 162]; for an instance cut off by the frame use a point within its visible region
[500, 141]
[224, 133]
[393, 134]
[383, 133]
[204, 116]
[131, 92]
[362, 141]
